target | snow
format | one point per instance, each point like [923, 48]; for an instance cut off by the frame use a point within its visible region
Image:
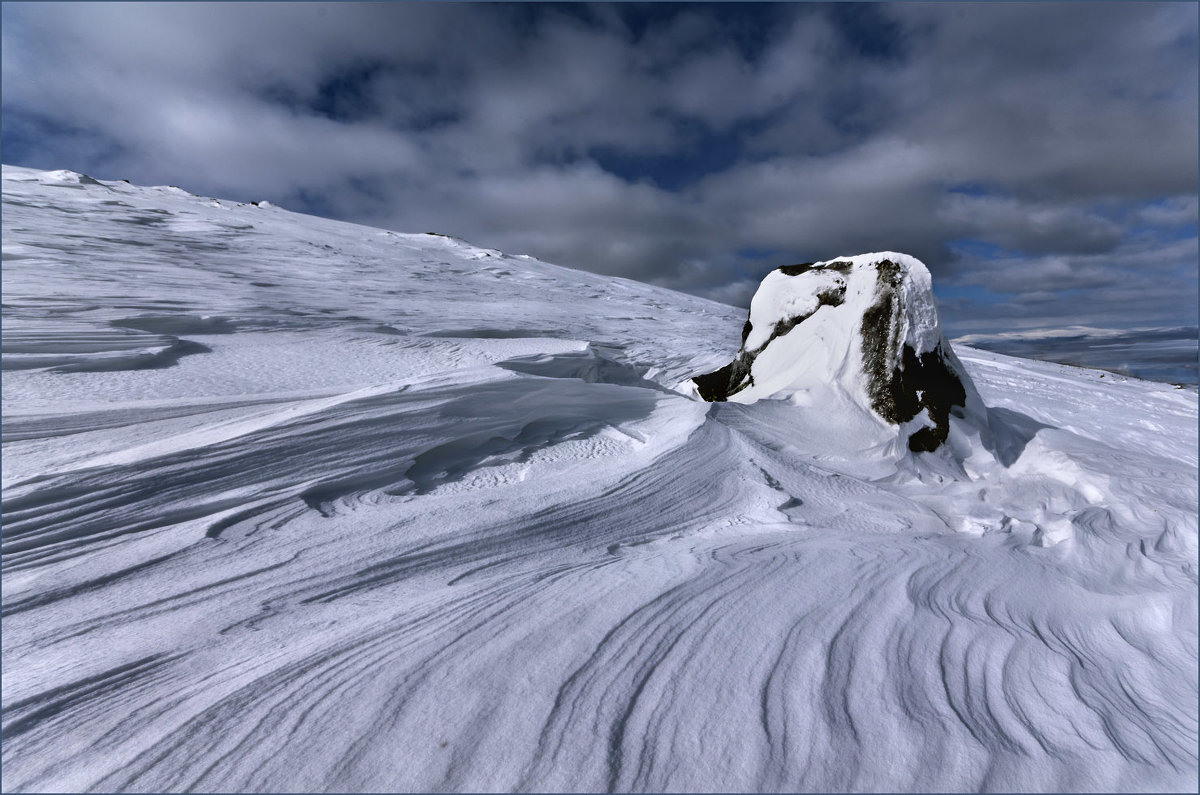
[296, 504]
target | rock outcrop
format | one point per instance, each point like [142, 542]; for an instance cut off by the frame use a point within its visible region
[861, 329]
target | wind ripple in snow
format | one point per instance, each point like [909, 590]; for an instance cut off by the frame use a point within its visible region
[408, 529]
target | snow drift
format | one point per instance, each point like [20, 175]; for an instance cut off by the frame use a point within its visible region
[297, 505]
[858, 339]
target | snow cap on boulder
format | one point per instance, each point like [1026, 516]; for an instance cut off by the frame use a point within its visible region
[853, 335]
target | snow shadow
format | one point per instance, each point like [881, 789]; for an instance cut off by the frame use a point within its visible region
[1011, 432]
[178, 324]
[492, 333]
[590, 366]
[509, 421]
[157, 360]
[455, 460]
[94, 351]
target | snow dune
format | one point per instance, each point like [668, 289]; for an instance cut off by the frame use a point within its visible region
[291, 504]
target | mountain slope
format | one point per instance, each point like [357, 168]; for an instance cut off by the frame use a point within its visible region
[296, 504]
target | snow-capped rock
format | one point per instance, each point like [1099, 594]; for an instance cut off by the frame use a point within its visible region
[856, 337]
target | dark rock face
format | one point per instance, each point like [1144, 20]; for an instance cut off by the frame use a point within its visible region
[900, 383]
[718, 385]
[805, 267]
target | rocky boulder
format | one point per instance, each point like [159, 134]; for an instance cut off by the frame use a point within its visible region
[856, 335]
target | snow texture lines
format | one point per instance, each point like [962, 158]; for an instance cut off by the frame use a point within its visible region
[294, 504]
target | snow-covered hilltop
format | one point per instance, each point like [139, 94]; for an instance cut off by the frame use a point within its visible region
[292, 504]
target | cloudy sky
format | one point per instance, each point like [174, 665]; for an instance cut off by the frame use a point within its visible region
[1041, 158]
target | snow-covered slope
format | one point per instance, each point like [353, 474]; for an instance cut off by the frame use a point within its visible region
[291, 504]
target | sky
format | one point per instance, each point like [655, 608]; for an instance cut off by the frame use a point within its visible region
[1041, 158]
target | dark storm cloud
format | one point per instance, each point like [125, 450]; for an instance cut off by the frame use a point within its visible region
[1039, 157]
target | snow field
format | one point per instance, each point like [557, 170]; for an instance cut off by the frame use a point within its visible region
[425, 516]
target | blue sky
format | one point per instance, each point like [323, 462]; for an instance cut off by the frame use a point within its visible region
[1041, 158]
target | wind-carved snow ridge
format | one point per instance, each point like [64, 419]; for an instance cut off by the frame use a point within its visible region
[856, 339]
[293, 504]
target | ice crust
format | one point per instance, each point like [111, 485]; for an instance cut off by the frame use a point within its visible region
[296, 505]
